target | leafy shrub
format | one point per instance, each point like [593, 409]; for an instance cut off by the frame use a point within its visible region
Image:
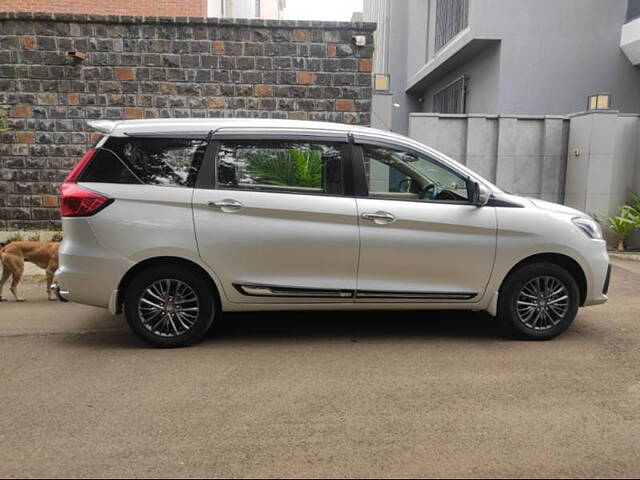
[627, 220]
[293, 168]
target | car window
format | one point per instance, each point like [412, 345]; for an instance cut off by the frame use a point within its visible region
[298, 167]
[154, 161]
[399, 175]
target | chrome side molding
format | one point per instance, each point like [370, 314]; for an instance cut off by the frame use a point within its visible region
[416, 295]
[272, 291]
[275, 291]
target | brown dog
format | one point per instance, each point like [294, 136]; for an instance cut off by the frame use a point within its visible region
[13, 256]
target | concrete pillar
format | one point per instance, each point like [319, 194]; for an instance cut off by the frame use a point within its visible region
[382, 111]
[505, 158]
[482, 143]
[590, 162]
[552, 174]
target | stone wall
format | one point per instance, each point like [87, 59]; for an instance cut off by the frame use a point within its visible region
[151, 67]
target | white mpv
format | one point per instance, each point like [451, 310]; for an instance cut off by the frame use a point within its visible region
[174, 221]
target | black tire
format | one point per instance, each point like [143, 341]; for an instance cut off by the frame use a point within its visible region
[512, 290]
[199, 285]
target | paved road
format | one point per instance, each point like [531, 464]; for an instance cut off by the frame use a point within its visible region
[342, 395]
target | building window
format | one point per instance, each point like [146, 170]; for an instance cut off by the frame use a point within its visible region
[452, 98]
[451, 18]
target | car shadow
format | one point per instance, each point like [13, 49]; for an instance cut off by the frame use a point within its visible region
[287, 327]
[360, 324]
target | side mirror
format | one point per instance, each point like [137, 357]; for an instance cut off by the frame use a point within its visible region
[481, 195]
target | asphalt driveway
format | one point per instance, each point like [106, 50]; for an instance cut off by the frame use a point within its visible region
[321, 394]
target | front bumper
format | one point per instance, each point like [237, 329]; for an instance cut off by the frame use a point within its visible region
[605, 288]
[600, 274]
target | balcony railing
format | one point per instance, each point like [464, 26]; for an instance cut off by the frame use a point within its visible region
[452, 17]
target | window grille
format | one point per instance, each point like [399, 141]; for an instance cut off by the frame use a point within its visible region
[452, 98]
[451, 18]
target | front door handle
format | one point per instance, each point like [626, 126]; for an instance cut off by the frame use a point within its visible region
[227, 205]
[381, 218]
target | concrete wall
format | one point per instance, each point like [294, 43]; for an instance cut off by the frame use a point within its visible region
[523, 155]
[157, 67]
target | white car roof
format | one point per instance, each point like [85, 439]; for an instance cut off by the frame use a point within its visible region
[204, 125]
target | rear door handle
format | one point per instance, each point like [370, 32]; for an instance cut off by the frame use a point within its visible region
[381, 218]
[227, 205]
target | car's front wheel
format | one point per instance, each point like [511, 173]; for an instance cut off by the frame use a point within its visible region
[538, 301]
[170, 306]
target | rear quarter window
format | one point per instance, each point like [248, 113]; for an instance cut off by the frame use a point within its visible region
[151, 161]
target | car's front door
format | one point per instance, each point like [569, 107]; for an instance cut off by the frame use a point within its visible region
[276, 227]
[421, 238]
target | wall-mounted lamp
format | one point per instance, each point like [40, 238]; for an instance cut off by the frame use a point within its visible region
[599, 101]
[381, 82]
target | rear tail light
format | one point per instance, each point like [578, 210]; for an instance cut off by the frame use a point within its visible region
[76, 201]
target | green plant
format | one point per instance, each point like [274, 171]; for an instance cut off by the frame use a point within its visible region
[635, 203]
[293, 168]
[627, 220]
[34, 237]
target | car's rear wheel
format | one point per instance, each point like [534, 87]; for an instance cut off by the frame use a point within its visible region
[538, 301]
[170, 306]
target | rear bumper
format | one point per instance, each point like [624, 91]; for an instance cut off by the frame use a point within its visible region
[59, 293]
[88, 273]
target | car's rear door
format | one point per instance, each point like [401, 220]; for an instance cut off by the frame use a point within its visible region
[273, 219]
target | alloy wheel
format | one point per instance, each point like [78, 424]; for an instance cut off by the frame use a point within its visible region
[168, 307]
[542, 303]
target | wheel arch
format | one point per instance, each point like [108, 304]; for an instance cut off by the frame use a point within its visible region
[564, 261]
[163, 260]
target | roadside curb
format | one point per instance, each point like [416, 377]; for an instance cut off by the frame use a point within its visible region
[634, 257]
